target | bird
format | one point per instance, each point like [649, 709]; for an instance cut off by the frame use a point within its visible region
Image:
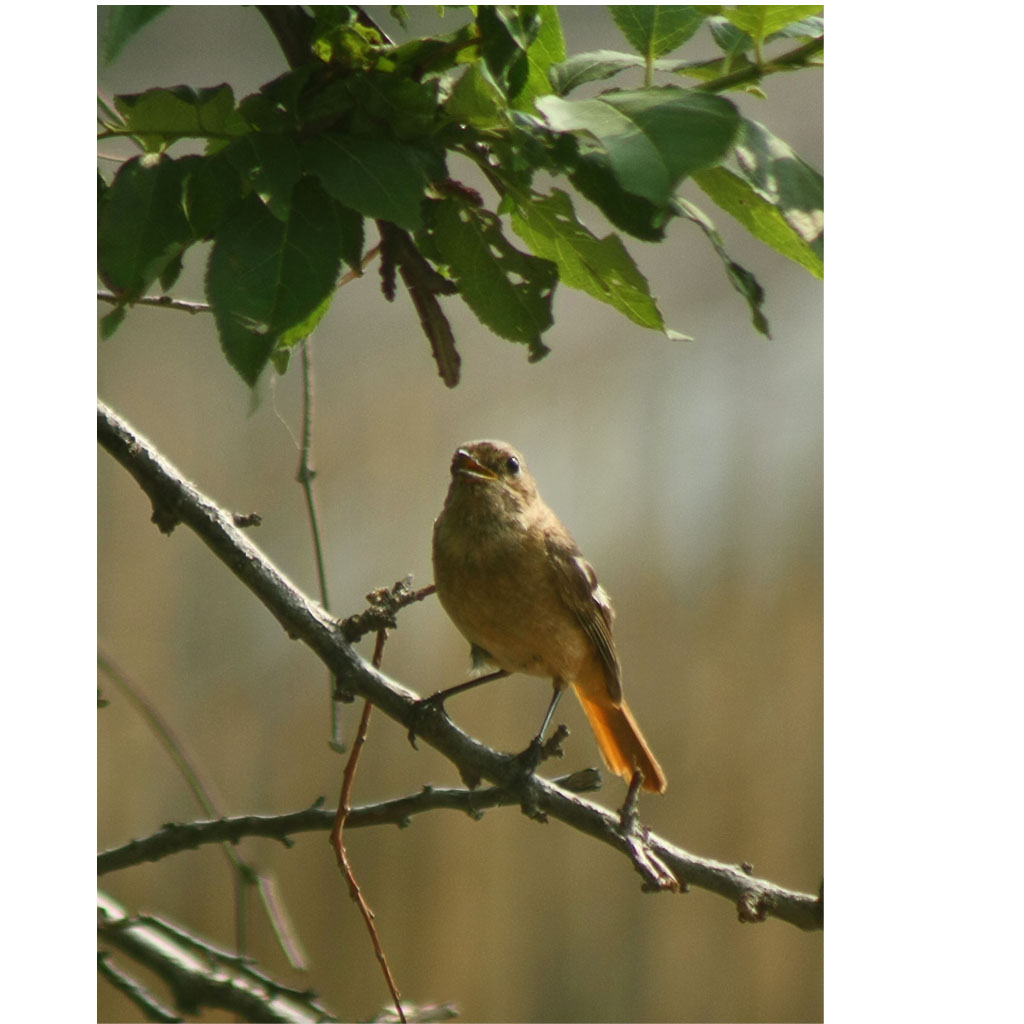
[516, 585]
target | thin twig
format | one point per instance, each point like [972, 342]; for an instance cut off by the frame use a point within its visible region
[175, 838]
[134, 990]
[337, 835]
[800, 57]
[162, 301]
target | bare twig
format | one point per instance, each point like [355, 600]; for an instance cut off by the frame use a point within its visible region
[200, 974]
[175, 500]
[163, 301]
[172, 839]
[337, 837]
[136, 992]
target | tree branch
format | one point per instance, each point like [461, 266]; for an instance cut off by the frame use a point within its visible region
[174, 838]
[175, 500]
[198, 973]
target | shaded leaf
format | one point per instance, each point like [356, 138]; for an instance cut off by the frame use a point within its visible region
[377, 177]
[120, 23]
[506, 33]
[267, 277]
[741, 279]
[142, 225]
[271, 166]
[651, 138]
[760, 217]
[508, 290]
[601, 267]
[594, 178]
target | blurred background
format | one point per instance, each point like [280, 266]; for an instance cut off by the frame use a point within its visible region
[690, 473]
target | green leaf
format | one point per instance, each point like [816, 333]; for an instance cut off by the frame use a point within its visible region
[650, 138]
[762, 219]
[110, 323]
[760, 21]
[654, 30]
[508, 290]
[379, 178]
[505, 37]
[119, 23]
[159, 117]
[475, 99]
[212, 192]
[785, 180]
[582, 68]
[270, 164]
[142, 225]
[636, 216]
[546, 50]
[267, 277]
[741, 279]
[601, 267]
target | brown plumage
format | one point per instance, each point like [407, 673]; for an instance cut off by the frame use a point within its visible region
[514, 582]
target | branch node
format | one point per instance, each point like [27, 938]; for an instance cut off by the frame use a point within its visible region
[752, 907]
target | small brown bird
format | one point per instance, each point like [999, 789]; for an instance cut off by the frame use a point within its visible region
[517, 587]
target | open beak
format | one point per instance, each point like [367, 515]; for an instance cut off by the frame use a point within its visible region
[464, 463]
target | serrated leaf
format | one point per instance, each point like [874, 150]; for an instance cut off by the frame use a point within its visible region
[377, 177]
[656, 30]
[142, 225]
[601, 267]
[785, 180]
[761, 20]
[120, 23]
[508, 290]
[651, 138]
[546, 50]
[758, 216]
[739, 277]
[159, 117]
[267, 277]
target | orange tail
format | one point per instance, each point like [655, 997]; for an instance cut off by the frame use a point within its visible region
[622, 744]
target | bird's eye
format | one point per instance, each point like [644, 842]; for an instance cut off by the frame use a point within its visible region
[512, 465]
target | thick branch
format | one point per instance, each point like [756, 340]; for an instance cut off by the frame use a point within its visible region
[175, 500]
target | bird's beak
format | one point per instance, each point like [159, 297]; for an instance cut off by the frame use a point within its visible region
[464, 463]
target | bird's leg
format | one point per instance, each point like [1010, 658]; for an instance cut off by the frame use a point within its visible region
[436, 700]
[532, 756]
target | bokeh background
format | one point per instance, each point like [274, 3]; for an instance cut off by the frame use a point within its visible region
[690, 474]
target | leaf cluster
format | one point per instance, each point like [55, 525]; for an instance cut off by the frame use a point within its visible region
[362, 129]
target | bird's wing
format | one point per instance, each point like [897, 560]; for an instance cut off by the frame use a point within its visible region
[577, 583]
